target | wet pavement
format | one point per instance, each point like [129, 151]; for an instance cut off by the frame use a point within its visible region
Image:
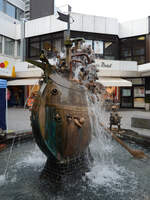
[18, 119]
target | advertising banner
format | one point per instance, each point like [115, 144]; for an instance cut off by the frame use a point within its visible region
[7, 69]
[98, 47]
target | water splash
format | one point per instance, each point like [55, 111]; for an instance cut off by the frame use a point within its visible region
[9, 157]
[76, 72]
[35, 159]
[2, 180]
[105, 171]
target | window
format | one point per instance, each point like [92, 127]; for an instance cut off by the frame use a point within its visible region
[109, 57]
[110, 49]
[1, 43]
[126, 52]
[127, 58]
[57, 44]
[1, 5]
[98, 47]
[9, 46]
[133, 49]
[19, 14]
[138, 51]
[126, 92]
[89, 43]
[18, 48]
[34, 49]
[10, 10]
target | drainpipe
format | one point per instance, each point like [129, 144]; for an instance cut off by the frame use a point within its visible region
[22, 44]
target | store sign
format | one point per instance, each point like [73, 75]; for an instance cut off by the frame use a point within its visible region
[6, 69]
[117, 65]
[105, 65]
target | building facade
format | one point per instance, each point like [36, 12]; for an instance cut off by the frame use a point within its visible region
[12, 8]
[112, 42]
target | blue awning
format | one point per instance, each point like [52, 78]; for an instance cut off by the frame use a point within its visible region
[3, 83]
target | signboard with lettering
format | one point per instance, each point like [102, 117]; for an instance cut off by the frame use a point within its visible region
[117, 65]
[105, 65]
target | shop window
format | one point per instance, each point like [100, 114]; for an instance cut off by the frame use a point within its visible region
[57, 45]
[10, 10]
[139, 91]
[109, 57]
[110, 50]
[138, 51]
[139, 94]
[34, 49]
[126, 92]
[127, 58]
[48, 46]
[126, 52]
[139, 59]
[126, 98]
[1, 43]
[16, 96]
[89, 43]
[9, 46]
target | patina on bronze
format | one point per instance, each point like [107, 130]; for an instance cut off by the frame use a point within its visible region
[59, 116]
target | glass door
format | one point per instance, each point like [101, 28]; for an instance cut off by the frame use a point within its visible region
[126, 98]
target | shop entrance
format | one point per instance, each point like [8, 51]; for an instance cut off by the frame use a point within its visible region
[126, 97]
[15, 96]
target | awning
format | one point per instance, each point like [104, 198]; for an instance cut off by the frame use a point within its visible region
[110, 82]
[23, 82]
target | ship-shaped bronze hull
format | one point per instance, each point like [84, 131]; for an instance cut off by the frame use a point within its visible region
[59, 118]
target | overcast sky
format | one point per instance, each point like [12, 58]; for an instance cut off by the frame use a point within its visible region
[123, 10]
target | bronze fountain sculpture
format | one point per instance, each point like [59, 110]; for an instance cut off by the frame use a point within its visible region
[59, 116]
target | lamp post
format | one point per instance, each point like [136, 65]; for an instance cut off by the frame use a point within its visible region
[68, 24]
[68, 43]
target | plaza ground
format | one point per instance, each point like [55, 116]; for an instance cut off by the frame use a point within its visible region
[19, 119]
